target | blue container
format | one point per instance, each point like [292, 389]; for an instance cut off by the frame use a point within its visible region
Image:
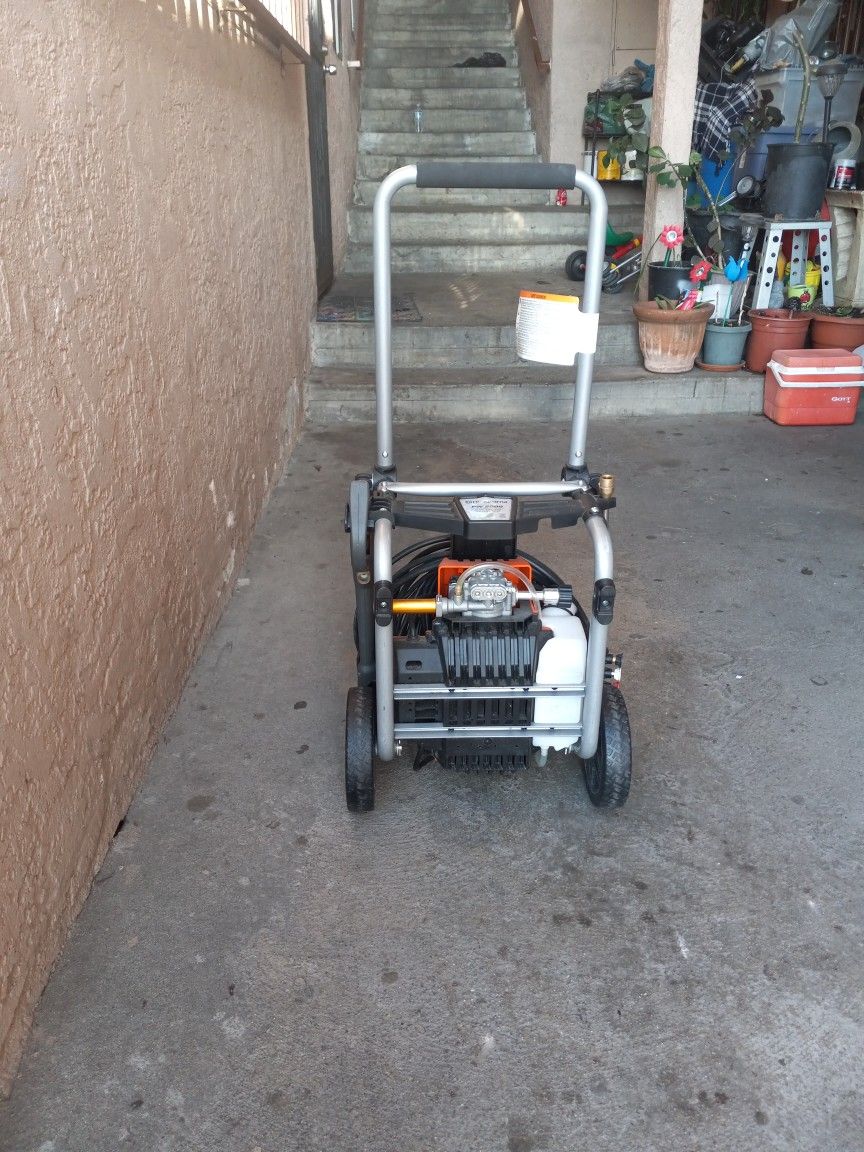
[719, 180]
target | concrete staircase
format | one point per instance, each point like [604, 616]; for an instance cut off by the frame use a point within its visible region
[468, 113]
[465, 254]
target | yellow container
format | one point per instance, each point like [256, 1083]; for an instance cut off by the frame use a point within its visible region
[809, 290]
[607, 168]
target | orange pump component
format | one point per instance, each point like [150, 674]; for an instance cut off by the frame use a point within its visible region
[449, 570]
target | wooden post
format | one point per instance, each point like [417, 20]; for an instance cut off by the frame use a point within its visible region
[679, 28]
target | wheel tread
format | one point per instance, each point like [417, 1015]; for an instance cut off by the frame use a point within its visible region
[360, 750]
[615, 750]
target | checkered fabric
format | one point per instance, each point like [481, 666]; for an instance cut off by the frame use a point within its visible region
[719, 109]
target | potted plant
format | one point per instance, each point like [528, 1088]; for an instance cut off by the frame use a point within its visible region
[671, 332]
[839, 327]
[676, 323]
[726, 332]
[796, 173]
[713, 235]
[721, 276]
[670, 276]
[774, 328]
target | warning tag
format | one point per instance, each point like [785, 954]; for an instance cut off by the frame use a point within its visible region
[552, 329]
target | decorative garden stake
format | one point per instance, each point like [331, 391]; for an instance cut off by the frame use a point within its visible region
[672, 236]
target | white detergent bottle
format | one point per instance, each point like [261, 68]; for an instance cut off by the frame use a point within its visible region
[561, 661]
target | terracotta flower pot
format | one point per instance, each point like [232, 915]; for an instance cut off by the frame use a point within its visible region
[837, 331]
[773, 329]
[670, 340]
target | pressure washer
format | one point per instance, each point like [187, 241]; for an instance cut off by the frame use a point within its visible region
[470, 649]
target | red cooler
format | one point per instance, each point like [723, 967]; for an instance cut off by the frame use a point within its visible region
[813, 386]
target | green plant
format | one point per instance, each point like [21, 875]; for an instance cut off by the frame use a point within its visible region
[805, 87]
[653, 160]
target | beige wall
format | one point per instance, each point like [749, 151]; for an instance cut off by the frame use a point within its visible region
[679, 28]
[581, 59]
[587, 40]
[635, 32]
[343, 117]
[538, 85]
[155, 291]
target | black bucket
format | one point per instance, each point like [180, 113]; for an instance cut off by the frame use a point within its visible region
[701, 224]
[668, 280]
[796, 177]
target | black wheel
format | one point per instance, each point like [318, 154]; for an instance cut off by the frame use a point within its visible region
[607, 773]
[360, 750]
[574, 266]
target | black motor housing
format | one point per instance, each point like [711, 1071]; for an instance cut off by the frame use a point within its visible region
[496, 652]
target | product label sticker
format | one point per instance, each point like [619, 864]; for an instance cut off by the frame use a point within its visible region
[487, 507]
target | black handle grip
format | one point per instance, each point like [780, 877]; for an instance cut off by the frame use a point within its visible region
[455, 174]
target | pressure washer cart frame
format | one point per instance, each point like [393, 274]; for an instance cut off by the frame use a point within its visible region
[448, 646]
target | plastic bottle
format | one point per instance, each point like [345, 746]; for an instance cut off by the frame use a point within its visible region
[561, 661]
[418, 118]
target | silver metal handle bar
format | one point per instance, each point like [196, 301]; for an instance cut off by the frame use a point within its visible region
[529, 488]
[433, 174]
[595, 661]
[500, 731]
[382, 273]
[479, 692]
[382, 563]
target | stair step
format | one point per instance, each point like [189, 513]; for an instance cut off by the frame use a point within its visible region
[373, 167]
[439, 57]
[446, 120]
[443, 198]
[472, 114]
[342, 395]
[421, 23]
[469, 99]
[440, 346]
[469, 41]
[625, 195]
[462, 257]
[477, 225]
[443, 8]
[441, 76]
[435, 144]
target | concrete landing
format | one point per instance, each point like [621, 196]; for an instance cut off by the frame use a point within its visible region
[459, 361]
[487, 964]
[339, 395]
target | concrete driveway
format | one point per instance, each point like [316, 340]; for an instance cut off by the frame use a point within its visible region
[488, 963]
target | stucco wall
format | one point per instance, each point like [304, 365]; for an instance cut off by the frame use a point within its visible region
[343, 117]
[538, 85]
[155, 290]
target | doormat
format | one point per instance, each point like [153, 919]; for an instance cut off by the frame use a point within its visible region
[360, 310]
